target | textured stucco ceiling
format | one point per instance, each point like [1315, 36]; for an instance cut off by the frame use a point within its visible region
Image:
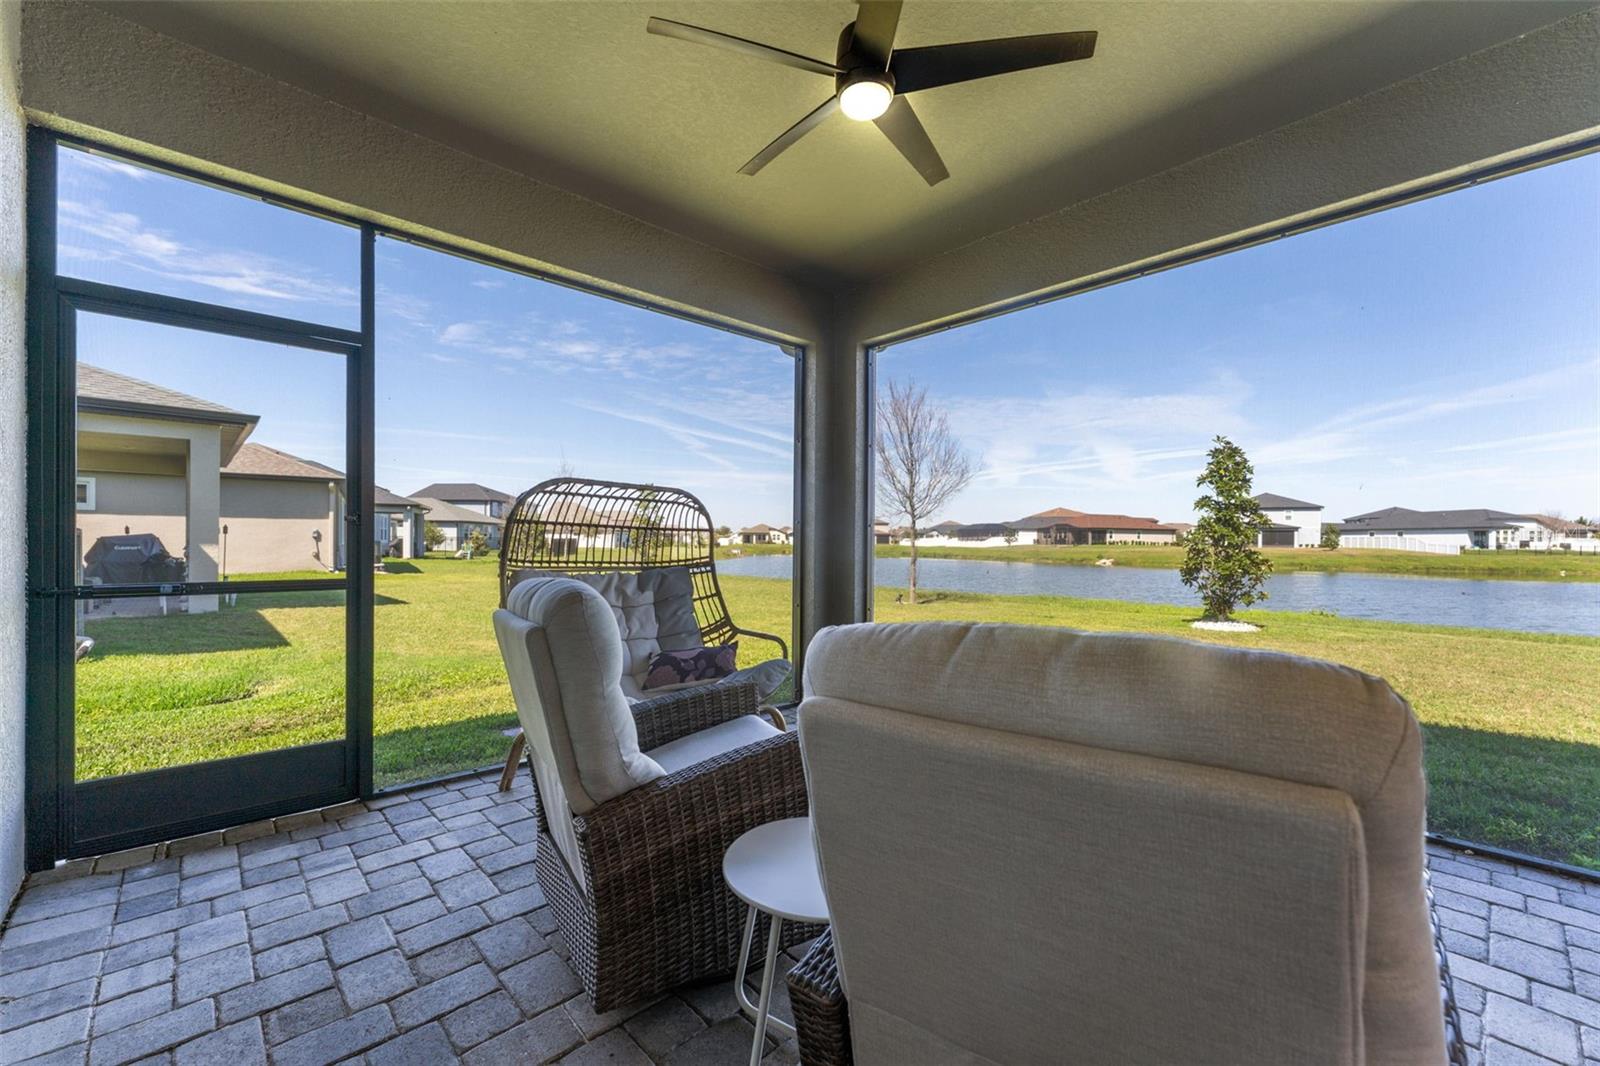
[578, 94]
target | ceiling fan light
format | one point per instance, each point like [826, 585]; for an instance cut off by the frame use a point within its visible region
[865, 99]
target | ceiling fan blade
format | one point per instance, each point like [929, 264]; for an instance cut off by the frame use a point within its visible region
[789, 136]
[699, 35]
[874, 33]
[916, 69]
[901, 125]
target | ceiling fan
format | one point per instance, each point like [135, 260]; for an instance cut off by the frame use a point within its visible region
[871, 78]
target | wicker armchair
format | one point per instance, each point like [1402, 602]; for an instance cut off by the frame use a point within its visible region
[637, 802]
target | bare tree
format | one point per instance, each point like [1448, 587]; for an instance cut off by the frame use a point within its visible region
[921, 465]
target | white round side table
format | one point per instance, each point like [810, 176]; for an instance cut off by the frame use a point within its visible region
[773, 868]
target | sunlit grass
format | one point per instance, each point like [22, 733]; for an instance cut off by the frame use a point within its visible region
[1513, 736]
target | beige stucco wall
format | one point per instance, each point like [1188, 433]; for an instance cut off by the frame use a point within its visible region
[270, 522]
[13, 506]
[139, 503]
[1142, 538]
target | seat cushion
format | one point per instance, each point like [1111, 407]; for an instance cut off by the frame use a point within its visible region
[767, 677]
[569, 688]
[709, 743]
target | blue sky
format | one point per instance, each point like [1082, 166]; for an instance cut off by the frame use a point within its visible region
[1443, 354]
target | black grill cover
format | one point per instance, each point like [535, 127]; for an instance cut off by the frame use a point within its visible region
[135, 559]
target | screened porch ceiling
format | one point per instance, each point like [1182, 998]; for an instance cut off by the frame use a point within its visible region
[578, 95]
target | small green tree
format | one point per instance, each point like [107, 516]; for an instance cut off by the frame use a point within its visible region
[649, 537]
[1330, 536]
[432, 536]
[724, 531]
[1010, 535]
[1220, 559]
[477, 543]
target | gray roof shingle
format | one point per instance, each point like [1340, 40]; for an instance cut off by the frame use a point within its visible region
[1285, 503]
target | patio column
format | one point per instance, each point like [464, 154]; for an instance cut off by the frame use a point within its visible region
[836, 550]
[205, 513]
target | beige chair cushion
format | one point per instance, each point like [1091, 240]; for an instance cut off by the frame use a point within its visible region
[575, 700]
[1132, 848]
[723, 737]
[654, 610]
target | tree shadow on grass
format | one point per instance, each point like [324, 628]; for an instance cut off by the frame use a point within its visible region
[400, 566]
[241, 626]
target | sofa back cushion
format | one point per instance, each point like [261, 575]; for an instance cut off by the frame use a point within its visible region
[565, 667]
[1151, 849]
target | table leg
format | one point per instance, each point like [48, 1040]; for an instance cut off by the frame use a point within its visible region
[774, 938]
[739, 993]
[751, 1011]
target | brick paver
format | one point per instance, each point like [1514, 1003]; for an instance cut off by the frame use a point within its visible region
[412, 929]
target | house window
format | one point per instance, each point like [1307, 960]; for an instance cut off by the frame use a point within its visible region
[85, 493]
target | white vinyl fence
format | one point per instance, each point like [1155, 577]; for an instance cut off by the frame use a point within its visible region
[1403, 544]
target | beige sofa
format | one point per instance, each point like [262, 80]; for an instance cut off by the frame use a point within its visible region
[1047, 846]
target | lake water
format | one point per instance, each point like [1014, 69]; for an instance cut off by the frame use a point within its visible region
[1535, 606]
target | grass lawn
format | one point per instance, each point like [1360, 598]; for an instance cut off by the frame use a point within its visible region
[1513, 734]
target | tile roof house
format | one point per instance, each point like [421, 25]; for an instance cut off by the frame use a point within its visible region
[1295, 523]
[1456, 529]
[458, 523]
[468, 494]
[153, 459]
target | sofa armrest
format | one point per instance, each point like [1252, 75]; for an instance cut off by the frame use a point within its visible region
[821, 1013]
[677, 714]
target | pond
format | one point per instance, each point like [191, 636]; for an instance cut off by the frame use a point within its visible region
[1532, 606]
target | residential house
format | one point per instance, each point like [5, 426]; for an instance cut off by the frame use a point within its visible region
[398, 524]
[152, 459]
[881, 533]
[991, 535]
[1064, 526]
[1295, 523]
[459, 523]
[761, 533]
[1478, 528]
[470, 495]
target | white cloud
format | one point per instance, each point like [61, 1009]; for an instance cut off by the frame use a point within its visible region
[121, 237]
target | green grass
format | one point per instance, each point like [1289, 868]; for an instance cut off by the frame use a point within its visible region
[1521, 565]
[1513, 738]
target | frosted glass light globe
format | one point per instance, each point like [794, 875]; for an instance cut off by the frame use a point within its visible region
[865, 100]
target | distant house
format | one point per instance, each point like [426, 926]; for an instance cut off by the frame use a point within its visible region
[398, 523]
[1478, 528]
[761, 533]
[458, 523]
[988, 535]
[1064, 526]
[157, 461]
[1295, 523]
[881, 533]
[472, 496]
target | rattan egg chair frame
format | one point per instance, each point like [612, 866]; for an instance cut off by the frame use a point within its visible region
[578, 526]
